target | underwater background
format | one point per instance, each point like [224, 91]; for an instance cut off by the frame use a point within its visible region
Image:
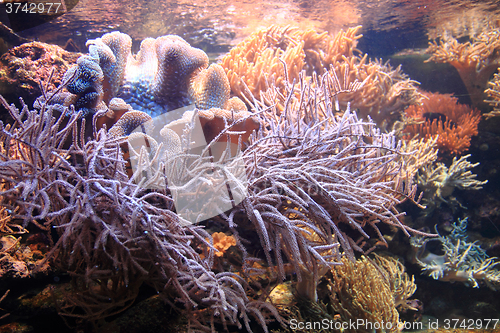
[348, 178]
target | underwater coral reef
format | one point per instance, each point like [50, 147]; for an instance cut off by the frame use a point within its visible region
[209, 186]
[475, 59]
[306, 179]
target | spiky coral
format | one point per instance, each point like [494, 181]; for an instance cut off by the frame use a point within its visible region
[420, 153]
[312, 182]
[441, 115]
[493, 96]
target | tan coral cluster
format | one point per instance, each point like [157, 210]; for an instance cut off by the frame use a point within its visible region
[371, 290]
[260, 60]
[159, 148]
[386, 93]
[255, 62]
[418, 153]
[439, 181]
[475, 60]
[493, 96]
[221, 243]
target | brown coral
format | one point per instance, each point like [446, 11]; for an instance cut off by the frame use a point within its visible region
[215, 120]
[441, 114]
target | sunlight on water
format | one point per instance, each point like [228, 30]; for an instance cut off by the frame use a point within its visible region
[217, 25]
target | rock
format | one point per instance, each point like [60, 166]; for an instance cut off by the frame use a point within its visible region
[22, 67]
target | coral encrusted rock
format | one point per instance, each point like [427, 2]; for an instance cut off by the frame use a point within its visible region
[24, 66]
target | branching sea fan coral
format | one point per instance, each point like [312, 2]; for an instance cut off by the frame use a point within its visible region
[315, 179]
[373, 291]
[113, 234]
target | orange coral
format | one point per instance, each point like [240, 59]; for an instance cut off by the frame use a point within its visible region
[222, 242]
[257, 63]
[441, 114]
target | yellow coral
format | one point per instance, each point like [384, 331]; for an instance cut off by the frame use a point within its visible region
[418, 153]
[493, 94]
[371, 290]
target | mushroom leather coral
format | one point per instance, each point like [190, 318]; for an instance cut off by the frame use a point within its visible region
[441, 114]
[166, 74]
